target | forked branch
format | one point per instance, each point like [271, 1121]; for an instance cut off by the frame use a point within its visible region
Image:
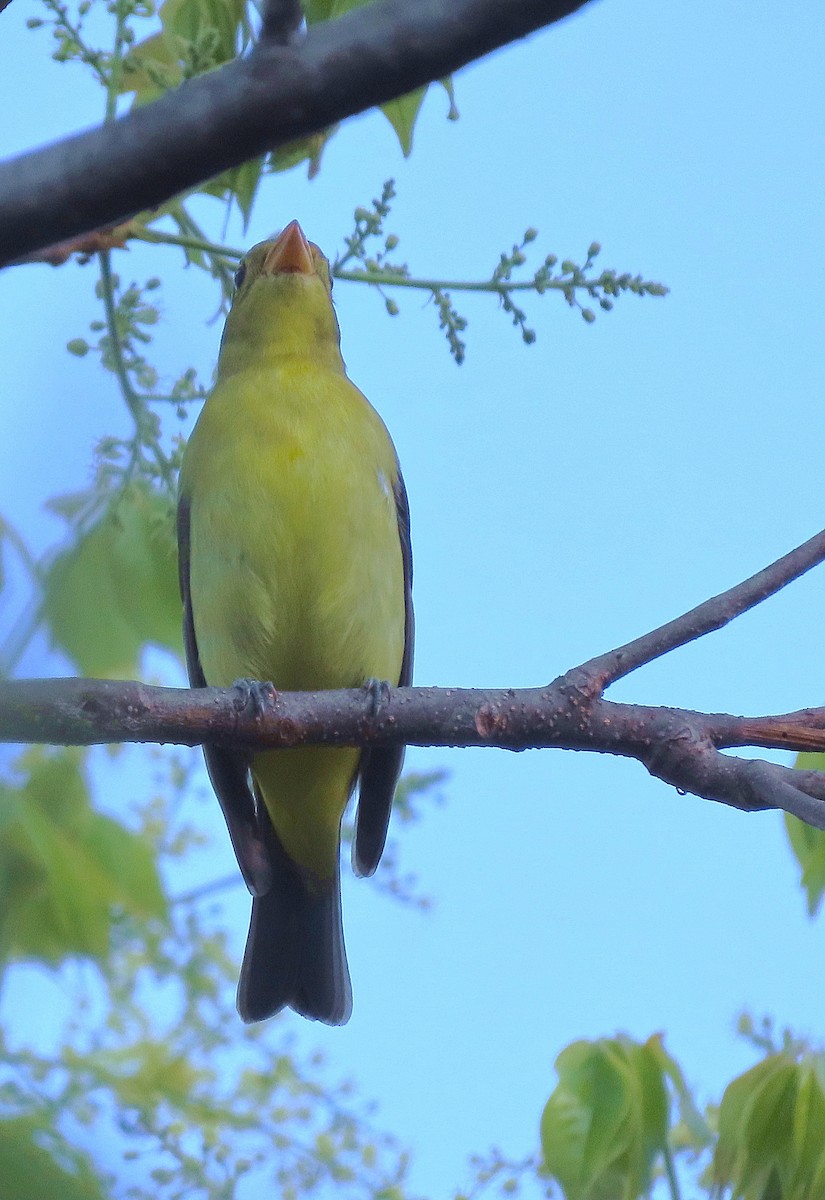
[681, 747]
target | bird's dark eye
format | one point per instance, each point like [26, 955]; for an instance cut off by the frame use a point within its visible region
[240, 275]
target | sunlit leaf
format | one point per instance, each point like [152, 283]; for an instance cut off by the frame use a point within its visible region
[606, 1120]
[30, 1172]
[116, 590]
[65, 868]
[808, 844]
[308, 149]
[771, 1130]
[402, 114]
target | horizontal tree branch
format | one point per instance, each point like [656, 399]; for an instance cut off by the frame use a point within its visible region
[282, 90]
[682, 747]
[679, 746]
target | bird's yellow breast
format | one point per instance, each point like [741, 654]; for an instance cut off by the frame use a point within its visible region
[296, 572]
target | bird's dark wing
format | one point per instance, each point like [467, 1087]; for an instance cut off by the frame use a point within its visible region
[228, 771]
[380, 766]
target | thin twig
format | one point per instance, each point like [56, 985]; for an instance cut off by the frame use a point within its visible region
[713, 614]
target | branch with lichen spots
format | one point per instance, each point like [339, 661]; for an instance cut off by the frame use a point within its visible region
[681, 747]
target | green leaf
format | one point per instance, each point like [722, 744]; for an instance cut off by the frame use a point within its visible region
[762, 1136]
[808, 844]
[241, 183]
[696, 1127]
[30, 1172]
[116, 590]
[151, 68]
[196, 36]
[128, 861]
[144, 1074]
[316, 11]
[308, 149]
[338, 7]
[808, 1137]
[63, 867]
[402, 114]
[244, 181]
[447, 84]
[606, 1120]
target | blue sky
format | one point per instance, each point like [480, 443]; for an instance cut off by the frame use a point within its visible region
[565, 498]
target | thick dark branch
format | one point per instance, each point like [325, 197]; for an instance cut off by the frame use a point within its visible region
[599, 673]
[677, 745]
[254, 104]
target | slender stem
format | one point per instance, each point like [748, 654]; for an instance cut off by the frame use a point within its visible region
[670, 1171]
[18, 638]
[161, 238]
[208, 889]
[16, 642]
[119, 361]
[158, 398]
[116, 63]
[380, 278]
[134, 401]
[499, 286]
[15, 539]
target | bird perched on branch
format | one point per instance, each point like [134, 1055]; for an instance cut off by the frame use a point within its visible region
[295, 568]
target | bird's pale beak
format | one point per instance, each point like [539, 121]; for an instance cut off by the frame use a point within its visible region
[289, 252]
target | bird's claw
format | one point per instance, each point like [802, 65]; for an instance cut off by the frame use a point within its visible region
[254, 695]
[378, 691]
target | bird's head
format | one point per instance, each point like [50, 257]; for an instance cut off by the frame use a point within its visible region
[282, 306]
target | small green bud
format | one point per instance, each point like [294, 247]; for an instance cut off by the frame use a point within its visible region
[152, 283]
[34, 23]
[391, 242]
[362, 214]
[551, 260]
[528, 336]
[594, 249]
[530, 235]
[97, 326]
[568, 267]
[84, 7]
[147, 315]
[588, 315]
[392, 308]
[607, 305]
[518, 258]
[78, 347]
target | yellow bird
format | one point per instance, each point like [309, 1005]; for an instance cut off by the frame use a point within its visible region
[295, 569]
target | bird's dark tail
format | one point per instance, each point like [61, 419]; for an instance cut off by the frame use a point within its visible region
[295, 954]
